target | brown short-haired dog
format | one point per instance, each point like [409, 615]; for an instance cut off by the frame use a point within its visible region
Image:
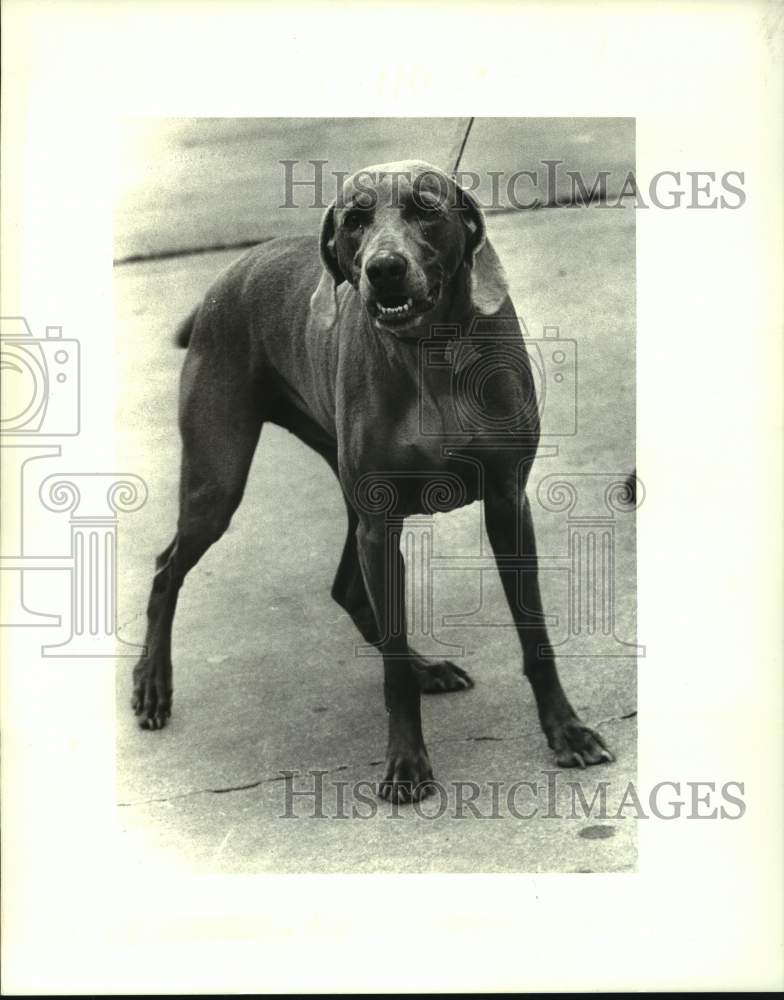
[325, 339]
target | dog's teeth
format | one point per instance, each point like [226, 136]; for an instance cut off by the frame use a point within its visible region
[400, 310]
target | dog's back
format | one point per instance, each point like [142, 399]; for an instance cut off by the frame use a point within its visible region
[270, 272]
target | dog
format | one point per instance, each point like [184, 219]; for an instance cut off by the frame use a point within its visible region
[325, 338]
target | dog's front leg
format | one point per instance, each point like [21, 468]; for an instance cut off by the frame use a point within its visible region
[511, 532]
[407, 772]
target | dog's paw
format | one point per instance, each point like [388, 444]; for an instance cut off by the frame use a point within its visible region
[408, 777]
[152, 697]
[576, 745]
[440, 676]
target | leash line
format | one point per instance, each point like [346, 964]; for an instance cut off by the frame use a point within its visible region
[463, 145]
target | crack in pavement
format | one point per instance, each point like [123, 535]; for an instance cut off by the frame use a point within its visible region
[174, 253]
[617, 718]
[345, 767]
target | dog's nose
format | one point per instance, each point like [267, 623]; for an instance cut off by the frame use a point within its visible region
[386, 269]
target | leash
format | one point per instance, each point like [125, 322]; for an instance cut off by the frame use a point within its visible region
[459, 156]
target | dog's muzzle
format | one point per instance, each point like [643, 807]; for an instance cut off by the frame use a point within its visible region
[394, 301]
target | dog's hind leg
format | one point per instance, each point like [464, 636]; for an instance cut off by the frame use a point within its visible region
[433, 676]
[220, 419]
[348, 589]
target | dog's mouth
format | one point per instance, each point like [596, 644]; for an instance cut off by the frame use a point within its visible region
[397, 312]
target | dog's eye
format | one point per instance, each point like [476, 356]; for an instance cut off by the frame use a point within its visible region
[429, 208]
[355, 220]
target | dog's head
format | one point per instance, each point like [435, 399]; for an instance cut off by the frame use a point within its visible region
[400, 234]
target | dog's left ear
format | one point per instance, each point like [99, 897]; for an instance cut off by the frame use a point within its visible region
[324, 301]
[489, 285]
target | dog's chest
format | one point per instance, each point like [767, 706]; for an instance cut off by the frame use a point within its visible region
[411, 478]
[405, 447]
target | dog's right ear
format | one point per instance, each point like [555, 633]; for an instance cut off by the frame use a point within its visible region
[324, 301]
